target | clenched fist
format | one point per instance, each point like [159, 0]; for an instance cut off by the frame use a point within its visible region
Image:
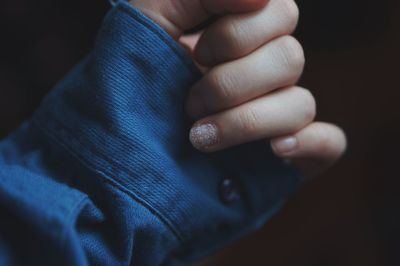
[249, 90]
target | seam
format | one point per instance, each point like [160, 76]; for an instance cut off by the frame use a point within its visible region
[107, 177]
[139, 17]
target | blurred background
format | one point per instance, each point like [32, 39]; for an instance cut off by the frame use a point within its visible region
[351, 214]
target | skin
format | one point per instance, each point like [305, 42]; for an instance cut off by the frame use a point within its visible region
[251, 67]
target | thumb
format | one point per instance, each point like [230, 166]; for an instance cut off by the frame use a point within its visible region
[177, 16]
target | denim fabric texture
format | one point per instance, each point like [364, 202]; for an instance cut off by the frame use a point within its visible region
[104, 174]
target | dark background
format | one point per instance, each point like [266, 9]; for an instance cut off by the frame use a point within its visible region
[351, 214]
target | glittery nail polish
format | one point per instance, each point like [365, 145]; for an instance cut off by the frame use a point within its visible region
[204, 136]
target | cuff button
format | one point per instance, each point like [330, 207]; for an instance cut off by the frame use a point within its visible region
[229, 191]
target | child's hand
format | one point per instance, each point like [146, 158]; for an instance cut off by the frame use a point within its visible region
[177, 16]
[249, 93]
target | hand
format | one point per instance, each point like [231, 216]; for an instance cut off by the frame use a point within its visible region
[249, 91]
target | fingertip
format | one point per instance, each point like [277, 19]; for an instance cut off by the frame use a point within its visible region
[343, 137]
[318, 146]
[326, 139]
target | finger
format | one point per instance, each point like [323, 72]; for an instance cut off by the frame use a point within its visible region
[235, 36]
[176, 16]
[278, 64]
[312, 149]
[279, 113]
[231, 6]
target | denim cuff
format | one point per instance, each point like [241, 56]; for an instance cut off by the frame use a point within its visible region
[121, 113]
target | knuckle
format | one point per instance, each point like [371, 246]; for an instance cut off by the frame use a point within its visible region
[293, 54]
[222, 85]
[309, 104]
[291, 13]
[232, 34]
[249, 121]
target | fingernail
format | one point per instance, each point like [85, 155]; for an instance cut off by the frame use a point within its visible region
[204, 136]
[284, 145]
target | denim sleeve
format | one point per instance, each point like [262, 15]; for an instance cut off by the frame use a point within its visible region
[104, 173]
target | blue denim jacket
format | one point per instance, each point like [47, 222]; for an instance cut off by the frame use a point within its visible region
[104, 173]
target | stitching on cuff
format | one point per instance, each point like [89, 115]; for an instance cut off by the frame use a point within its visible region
[50, 131]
